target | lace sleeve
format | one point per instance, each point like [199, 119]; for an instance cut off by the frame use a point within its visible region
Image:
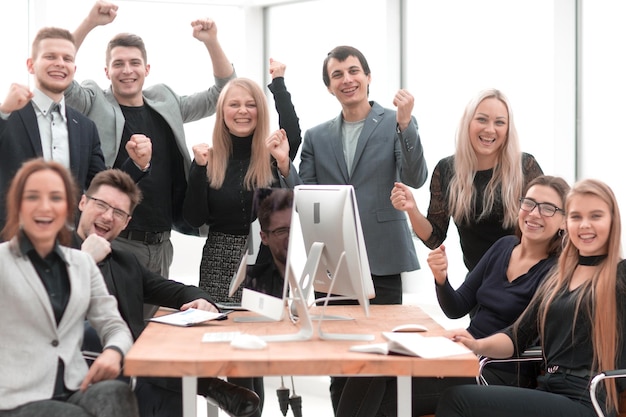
[530, 168]
[438, 209]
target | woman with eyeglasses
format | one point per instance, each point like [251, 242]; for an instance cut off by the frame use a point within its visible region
[479, 186]
[579, 316]
[498, 290]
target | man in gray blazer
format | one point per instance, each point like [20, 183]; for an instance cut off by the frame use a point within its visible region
[37, 122]
[125, 111]
[368, 147]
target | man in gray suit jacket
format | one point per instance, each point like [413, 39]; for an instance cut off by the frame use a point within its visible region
[368, 147]
[37, 123]
[125, 111]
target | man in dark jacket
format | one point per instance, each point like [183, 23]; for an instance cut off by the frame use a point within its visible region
[106, 209]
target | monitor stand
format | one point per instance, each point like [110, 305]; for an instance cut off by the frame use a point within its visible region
[307, 278]
[311, 266]
[302, 319]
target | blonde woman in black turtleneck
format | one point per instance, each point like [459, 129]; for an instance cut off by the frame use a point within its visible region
[244, 156]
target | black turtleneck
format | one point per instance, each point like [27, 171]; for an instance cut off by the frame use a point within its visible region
[230, 207]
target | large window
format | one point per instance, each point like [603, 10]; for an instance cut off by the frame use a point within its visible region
[443, 52]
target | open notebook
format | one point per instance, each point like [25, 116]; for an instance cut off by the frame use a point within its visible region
[413, 344]
[188, 317]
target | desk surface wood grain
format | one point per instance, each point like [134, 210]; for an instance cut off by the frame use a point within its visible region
[165, 350]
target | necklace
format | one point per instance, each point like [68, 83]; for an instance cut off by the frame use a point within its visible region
[590, 260]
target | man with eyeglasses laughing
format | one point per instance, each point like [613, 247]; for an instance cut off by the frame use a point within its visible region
[106, 209]
[273, 208]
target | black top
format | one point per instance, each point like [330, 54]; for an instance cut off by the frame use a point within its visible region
[52, 271]
[229, 208]
[133, 285]
[476, 236]
[568, 342]
[287, 117]
[497, 302]
[265, 278]
[163, 189]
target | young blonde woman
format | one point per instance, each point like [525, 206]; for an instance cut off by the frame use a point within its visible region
[499, 289]
[479, 186]
[578, 315]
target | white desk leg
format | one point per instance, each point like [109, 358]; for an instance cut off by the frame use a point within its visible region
[190, 391]
[404, 396]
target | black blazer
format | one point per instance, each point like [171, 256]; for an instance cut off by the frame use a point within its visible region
[133, 285]
[20, 141]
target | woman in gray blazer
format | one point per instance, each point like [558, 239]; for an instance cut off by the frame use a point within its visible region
[46, 292]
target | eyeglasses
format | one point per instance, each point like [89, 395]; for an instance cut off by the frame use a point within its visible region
[545, 209]
[279, 232]
[103, 207]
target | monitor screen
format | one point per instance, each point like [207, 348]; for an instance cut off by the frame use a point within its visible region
[336, 258]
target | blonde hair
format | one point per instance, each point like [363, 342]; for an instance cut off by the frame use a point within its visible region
[508, 169]
[259, 172]
[597, 296]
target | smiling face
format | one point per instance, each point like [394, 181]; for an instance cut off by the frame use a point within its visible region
[99, 219]
[127, 71]
[488, 131]
[348, 81]
[43, 209]
[240, 111]
[589, 224]
[53, 66]
[540, 228]
[277, 236]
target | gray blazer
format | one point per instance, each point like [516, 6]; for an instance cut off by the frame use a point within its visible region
[30, 340]
[382, 157]
[102, 107]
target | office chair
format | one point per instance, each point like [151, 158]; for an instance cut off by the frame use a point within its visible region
[532, 354]
[617, 373]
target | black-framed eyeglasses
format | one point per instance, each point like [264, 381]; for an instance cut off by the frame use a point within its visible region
[279, 232]
[545, 209]
[102, 206]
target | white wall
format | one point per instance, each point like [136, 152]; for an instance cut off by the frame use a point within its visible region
[451, 49]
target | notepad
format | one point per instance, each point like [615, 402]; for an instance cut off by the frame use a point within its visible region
[216, 337]
[188, 317]
[412, 344]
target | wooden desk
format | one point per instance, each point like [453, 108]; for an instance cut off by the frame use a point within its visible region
[164, 350]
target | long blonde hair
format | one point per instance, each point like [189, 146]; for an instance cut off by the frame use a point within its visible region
[259, 172]
[508, 169]
[597, 296]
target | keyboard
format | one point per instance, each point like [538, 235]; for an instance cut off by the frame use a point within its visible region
[230, 306]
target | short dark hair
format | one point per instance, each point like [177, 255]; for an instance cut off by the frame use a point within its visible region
[270, 200]
[341, 53]
[127, 40]
[118, 180]
[50, 33]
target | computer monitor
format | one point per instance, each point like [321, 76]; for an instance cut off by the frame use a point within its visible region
[334, 247]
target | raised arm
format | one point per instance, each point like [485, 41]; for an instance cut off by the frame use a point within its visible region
[102, 13]
[287, 117]
[408, 145]
[205, 31]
